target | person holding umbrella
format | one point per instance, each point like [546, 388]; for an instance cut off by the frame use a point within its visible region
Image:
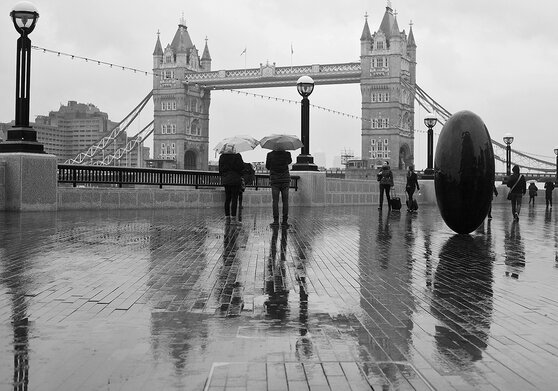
[231, 167]
[277, 162]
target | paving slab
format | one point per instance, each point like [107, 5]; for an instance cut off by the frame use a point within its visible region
[346, 298]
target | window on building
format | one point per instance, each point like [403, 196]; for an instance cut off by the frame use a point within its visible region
[380, 45]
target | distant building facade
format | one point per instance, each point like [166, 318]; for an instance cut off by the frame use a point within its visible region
[74, 128]
[181, 114]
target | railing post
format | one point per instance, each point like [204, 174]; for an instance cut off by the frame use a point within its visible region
[74, 175]
[160, 180]
[120, 178]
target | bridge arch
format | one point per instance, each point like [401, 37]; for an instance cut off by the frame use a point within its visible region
[190, 159]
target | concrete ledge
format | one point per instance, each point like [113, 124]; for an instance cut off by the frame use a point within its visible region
[30, 181]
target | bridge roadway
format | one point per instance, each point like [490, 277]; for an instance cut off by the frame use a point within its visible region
[347, 298]
[270, 75]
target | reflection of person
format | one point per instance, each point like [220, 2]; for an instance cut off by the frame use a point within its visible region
[548, 187]
[495, 192]
[532, 193]
[518, 187]
[385, 177]
[231, 166]
[277, 162]
[412, 184]
[275, 282]
[514, 251]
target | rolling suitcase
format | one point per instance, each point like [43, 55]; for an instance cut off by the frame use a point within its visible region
[395, 202]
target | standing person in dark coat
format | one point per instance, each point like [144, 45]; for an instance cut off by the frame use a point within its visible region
[412, 184]
[385, 177]
[518, 186]
[548, 187]
[231, 167]
[532, 192]
[277, 162]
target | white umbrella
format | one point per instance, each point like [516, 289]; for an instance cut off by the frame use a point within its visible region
[236, 144]
[281, 142]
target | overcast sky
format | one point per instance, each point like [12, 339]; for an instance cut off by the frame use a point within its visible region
[496, 58]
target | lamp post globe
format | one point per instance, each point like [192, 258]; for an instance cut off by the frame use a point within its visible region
[24, 16]
[305, 85]
[508, 140]
[21, 137]
[305, 161]
[430, 120]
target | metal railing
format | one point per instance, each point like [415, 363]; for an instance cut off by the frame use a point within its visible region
[119, 176]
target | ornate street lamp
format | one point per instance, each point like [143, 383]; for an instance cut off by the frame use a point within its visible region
[304, 161]
[556, 153]
[430, 121]
[508, 139]
[21, 137]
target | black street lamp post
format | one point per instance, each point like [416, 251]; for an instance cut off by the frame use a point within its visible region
[304, 161]
[430, 121]
[508, 140]
[21, 137]
[556, 153]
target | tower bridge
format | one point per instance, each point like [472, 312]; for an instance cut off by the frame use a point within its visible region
[183, 81]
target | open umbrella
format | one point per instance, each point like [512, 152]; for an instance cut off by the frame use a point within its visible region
[236, 144]
[281, 142]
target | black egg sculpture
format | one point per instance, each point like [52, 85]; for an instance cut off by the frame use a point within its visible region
[464, 172]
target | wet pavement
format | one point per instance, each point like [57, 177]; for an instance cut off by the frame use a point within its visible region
[344, 299]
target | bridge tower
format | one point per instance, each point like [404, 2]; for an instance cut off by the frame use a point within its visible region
[181, 111]
[388, 58]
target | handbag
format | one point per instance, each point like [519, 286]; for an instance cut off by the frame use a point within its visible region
[513, 187]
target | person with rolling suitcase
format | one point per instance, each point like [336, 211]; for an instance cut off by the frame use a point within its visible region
[412, 184]
[385, 177]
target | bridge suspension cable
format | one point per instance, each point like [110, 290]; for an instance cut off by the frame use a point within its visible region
[104, 142]
[132, 144]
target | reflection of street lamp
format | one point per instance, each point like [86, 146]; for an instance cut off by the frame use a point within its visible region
[304, 161]
[21, 137]
[556, 153]
[430, 121]
[508, 139]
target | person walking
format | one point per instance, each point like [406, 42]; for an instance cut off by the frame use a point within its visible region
[532, 193]
[518, 187]
[412, 184]
[231, 167]
[495, 192]
[385, 177]
[277, 162]
[548, 187]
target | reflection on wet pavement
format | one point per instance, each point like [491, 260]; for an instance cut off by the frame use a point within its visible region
[344, 299]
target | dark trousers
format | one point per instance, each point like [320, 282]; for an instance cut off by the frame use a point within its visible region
[548, 199]
[384, 188]
[283, 189]
[410, 192]
[231, 199]
[516, 203]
